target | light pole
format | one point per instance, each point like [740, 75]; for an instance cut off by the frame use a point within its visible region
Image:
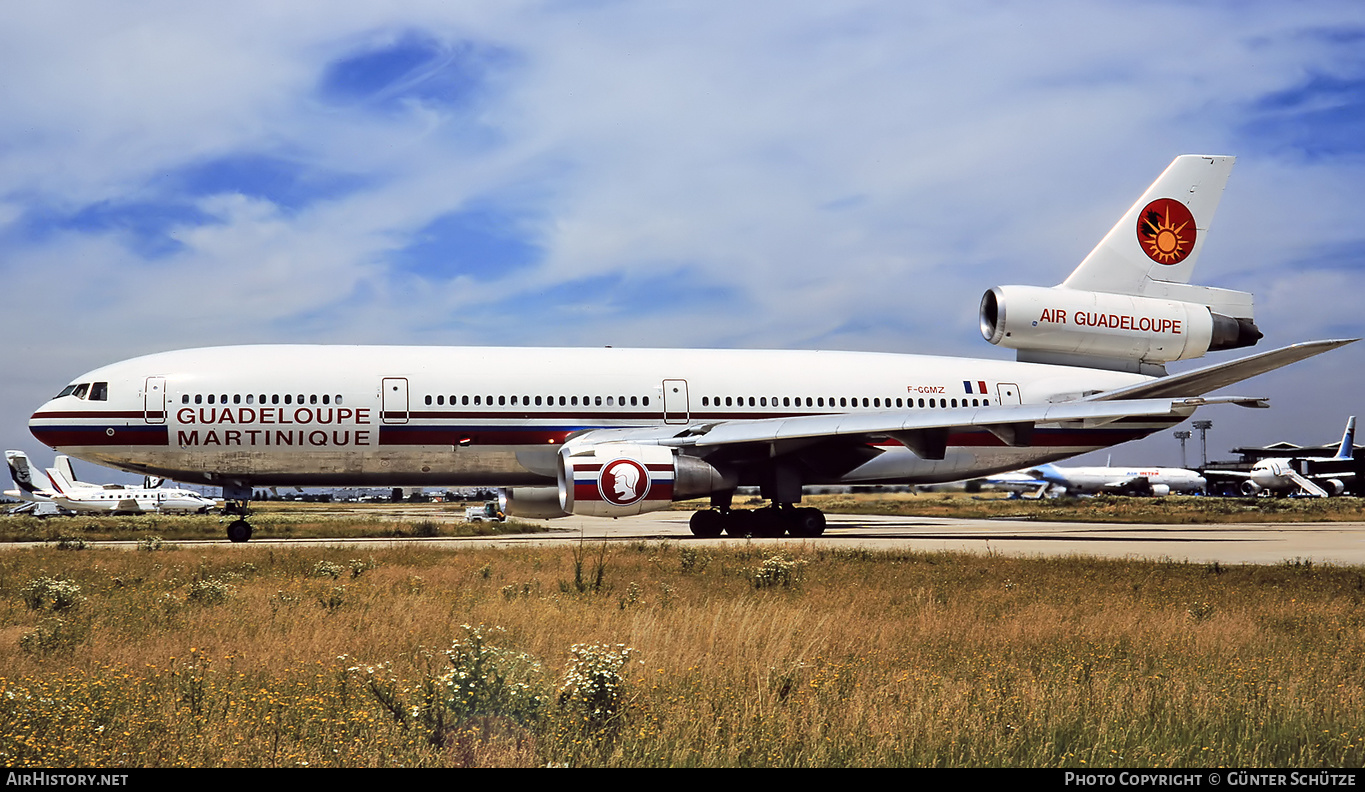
[1203, 427]
[1182, 436]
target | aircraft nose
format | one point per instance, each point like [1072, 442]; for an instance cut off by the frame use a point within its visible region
[39, 427]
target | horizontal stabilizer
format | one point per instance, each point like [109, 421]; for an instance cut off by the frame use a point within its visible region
[1209, 378]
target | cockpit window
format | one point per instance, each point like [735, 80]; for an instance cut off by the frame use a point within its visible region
[99, 391]
[81, 390]
[66, 391]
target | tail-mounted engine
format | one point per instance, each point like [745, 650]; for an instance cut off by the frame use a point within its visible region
[1104, 330]
[617, 480]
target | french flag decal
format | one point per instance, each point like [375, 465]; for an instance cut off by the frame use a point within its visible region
[967, 386]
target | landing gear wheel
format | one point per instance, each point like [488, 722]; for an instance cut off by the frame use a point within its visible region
[741, 522]
[239, 531]
[707, 524]
[769, 523]
[806, 523]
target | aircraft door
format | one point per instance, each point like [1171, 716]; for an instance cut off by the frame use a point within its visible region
[1009, 393]
[394, 400]
[154, 401]
[676, 410]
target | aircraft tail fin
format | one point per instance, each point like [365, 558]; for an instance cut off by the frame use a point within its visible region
[29, 484]
[62, 476]
[1348, 440]
[1159, 239]
[63, 463]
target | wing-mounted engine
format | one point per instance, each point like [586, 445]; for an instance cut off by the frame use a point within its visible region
[613, 480]
[617, 480]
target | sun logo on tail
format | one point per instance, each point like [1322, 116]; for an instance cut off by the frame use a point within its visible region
[1166, 231]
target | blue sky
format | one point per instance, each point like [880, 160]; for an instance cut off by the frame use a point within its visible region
[793, 175]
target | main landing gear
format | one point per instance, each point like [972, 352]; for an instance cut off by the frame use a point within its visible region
[235, 500]
[772, 522]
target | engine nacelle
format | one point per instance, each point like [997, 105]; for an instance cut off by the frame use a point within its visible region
[1334, 487]
[1251, 488]
[1065, 322]
[536, 503]
[1161, 490]
[618, 480]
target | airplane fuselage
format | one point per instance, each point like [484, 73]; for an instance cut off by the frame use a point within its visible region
[133, 501]
[1093, 480]
[481, 416]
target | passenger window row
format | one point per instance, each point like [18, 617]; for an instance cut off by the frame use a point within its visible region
[842, 401]
[251, 398]
[538, 401]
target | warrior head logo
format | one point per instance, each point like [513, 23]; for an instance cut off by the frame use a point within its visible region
[623, 482]
[1165, 230]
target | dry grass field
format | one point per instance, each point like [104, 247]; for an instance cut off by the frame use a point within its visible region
[665, 654]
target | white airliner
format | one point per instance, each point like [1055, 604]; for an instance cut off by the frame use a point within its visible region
[1319, 477]
[617, 432]
[1156, 481]
[60, 487]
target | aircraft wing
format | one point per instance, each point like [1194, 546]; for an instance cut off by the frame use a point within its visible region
[128, 504]
[1123, 485]
[1016, 479]
[923, 431]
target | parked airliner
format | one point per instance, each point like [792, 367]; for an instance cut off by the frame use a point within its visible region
[1154, 481]
[1317, 477]
[617, 432]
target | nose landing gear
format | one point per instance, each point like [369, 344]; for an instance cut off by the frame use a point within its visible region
[235, 500]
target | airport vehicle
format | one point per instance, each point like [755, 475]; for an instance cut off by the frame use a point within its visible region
[1154, 481]
[616, 432]
[59, 487]
[486, 511]
[1317, 477]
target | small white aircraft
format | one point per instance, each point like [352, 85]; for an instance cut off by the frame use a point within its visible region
[1153, 481]
[616, 432]
[1318, 477]
[60, 487]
